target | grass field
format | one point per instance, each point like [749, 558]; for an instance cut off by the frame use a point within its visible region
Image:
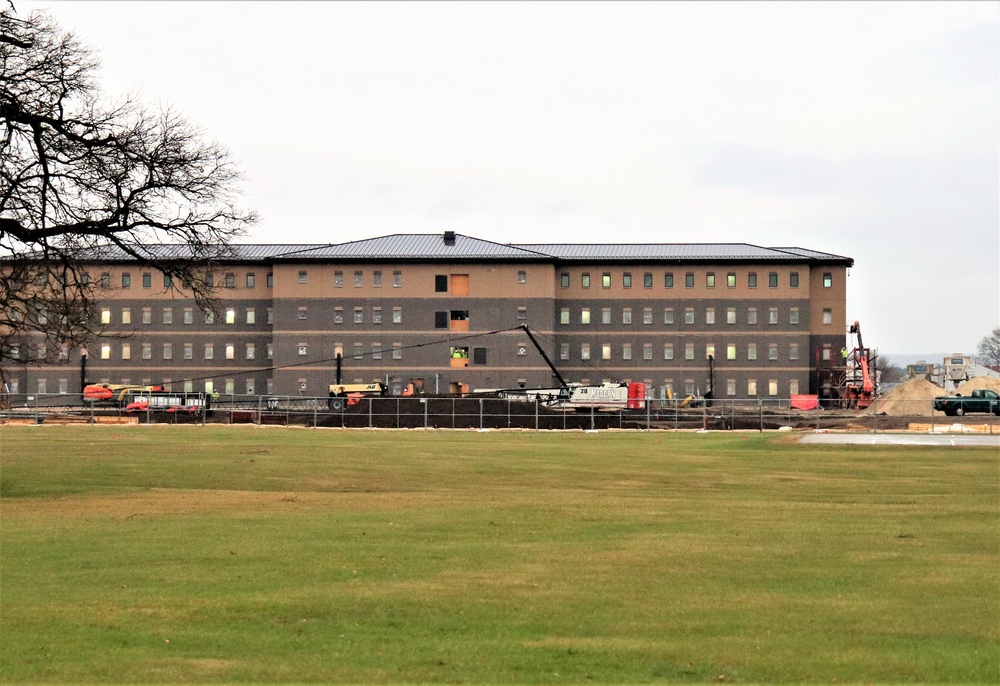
[218, 554]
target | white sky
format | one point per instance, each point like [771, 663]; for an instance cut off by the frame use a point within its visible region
[864, 129]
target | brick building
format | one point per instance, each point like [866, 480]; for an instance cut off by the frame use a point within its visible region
[440, 313]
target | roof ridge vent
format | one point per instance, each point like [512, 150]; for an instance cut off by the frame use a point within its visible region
[449, 238]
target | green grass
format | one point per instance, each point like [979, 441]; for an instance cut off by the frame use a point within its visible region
[220, 555]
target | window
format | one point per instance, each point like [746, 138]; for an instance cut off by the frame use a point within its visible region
[126, 280]
[793, 315]
[188, 351]
[251, 351]
[397, 279]
[209, 316]
[731, 280]
[772, 387]
[230, 280]
[710, 315]
[338, 315]
[731, 315]
[522, 348]
[397, 351]
[106, 280]
[564, 315]
[564, 280]
[440, 320]
[772, 280]
[731, 351]
[793, 387]
[585, 315]
[358, 351]
[668, 280]
[359, 315]
[397, 315]
[376, 314]
[689, 351]
[441, 283]
[793, 279]
[752, 315]
[147, 315]
[303, 313]
[359, 279]
[605, 315]
[147, 280]
[168, 351]
[147, 351]
[168, 315]
[647, 315]
[251, 315]
[564, 351]
[772, 351]
[585, 351]
[627, 315]
[585, 280]
[269, 350]
[827, 280]
[793, 351]
[827, 315]
[647, 351]
[826, 353]
[752, 387]
[689, 280]
[710, 351]
[626, 280]
[168, 281]
[772, 315]
[668, 351]
[230, 351]
[710, 280]
[250, 387]
[126, 351]
[606, 280]
[188, 315]
[689, 315]
[210, 280]
[730, 386]
[752, 280]
[230, 315]
[209, 351]
[668, 315]
[269, 316]
[522, 313]
[106, 351]
[377, 280]
[303, 276]
[522, 276]
[626, 351]
[605, 351]
[303, 349]
[270, 280]
[751, 351]
[251, 280]
[105, 316]
[338, 279]
[376, 351]
[647, 280]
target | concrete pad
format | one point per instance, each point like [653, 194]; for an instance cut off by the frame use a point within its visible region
[902, 439]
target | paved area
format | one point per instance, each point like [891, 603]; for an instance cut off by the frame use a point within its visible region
[904, 439]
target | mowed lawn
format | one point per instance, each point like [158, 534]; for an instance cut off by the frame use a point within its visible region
[191, 554]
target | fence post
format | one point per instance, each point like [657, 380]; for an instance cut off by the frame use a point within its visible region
[481, 412]
[591, 417]
[536, 413]
[424, 401]
[760, 413]
[875, 415]
[371, 403]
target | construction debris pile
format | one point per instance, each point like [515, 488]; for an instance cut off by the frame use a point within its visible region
[914, 397]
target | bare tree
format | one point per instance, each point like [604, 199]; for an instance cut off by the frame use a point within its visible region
[85, 180]
[989, 348]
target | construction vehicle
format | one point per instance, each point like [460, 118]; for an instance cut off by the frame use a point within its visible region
[859, 386]
[167, 401]
[351, 393]
[981, 400]
[575, 396]
[116, 393]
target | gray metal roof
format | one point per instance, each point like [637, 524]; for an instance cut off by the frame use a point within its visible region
[433, 247]
[418, 246]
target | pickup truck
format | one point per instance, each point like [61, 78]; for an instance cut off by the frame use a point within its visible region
[981, 400]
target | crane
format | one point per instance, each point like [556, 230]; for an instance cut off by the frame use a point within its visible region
[859, 387]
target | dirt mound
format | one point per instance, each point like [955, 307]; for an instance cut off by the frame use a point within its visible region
[977, 382]
[911, 397]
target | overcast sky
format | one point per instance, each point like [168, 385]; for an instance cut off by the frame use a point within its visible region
[863, 129]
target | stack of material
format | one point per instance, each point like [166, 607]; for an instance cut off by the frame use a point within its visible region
[910, 398]
[977, 382]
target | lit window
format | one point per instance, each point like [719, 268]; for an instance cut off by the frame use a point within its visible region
[731, 315]
[731, 280]
[710, 351]
[827, 280]
[752, 387]
[105, 316]
[606, 280]
[126, 315]
[251, 315]
[585, 315]
[731, 351]
[710, 315]
[303, 350]
[231, 315]
[209, 351]
[230, 351]
[126, 351]
[106, 351]
[605, 315]
[606, 351]
[564, 315]
[772, 387]
[710, 280]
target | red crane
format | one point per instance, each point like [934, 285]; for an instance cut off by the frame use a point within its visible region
[859, 388]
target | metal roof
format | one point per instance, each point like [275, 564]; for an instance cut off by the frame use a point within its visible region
[431, 247]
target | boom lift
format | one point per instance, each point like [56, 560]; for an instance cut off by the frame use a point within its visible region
[859, 387]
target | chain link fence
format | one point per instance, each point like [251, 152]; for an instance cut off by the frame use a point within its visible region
[454, 412]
